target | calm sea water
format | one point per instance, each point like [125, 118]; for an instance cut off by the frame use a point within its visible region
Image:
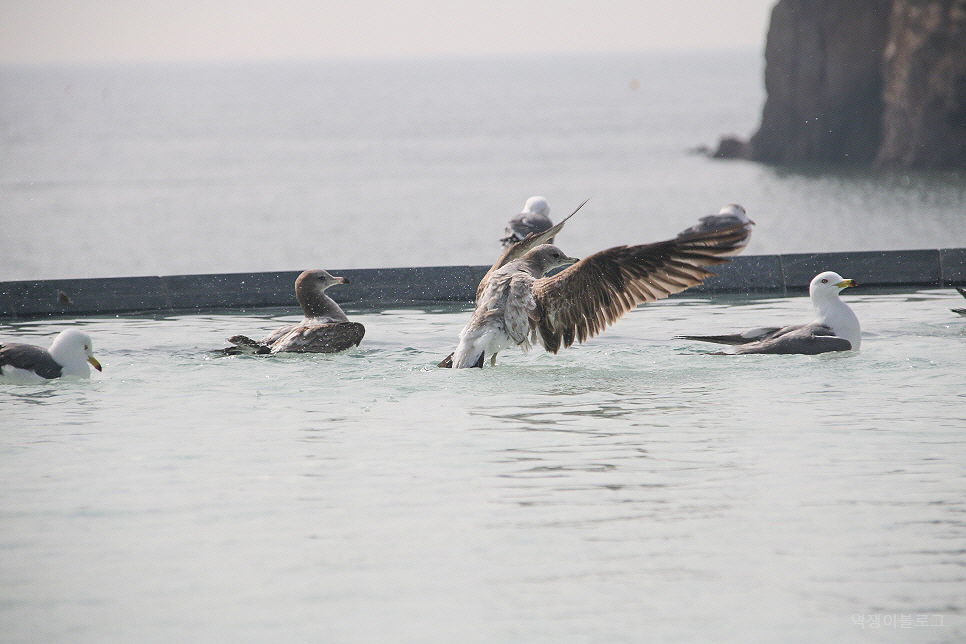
[117, 171]
[632, 489]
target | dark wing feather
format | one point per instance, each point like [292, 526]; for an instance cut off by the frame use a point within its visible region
[322, 338]
[711, 222]
[31, 358]
[520, 248]
[754, 335]
[580, 301]
[962, 292]
[809, 339]
[301, 338]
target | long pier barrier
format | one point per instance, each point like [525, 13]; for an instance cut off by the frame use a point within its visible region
[400, 287]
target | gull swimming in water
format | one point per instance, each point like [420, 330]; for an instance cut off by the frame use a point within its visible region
[729, 216]
[324, 329]
[517, 305]
[535, 218]
[69, 355]
[836, 328]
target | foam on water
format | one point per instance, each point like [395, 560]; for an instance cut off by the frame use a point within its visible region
[635, 486]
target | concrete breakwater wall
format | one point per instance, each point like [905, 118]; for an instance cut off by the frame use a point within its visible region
[400, 287]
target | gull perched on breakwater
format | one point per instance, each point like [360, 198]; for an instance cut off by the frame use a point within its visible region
[836, 328]
[730, 215]
[324, 329]
[535, 218]
[69, 355]
[517, 305]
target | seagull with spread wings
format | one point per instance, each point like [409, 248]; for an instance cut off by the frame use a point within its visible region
[517, 304]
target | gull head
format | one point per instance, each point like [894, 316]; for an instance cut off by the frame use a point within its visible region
[734, 210]
[546, 257]
[828, 285]
[72, 348]
[317, 280]
[537, 205]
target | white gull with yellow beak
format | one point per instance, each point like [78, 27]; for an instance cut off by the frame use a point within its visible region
[835, 328]
[69, 355]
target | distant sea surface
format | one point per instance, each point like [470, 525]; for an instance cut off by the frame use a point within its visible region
[161, 170]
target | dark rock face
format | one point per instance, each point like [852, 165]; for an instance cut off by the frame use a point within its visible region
[822, 74]
[924, 121]
[731, 147]
[863, 81]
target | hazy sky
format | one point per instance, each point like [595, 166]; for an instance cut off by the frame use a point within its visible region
[182, 30]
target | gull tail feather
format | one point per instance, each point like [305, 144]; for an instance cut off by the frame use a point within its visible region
[244, 346]
[449, 363]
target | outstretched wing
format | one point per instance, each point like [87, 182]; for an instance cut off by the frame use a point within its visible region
[580, 301]
[520, 248]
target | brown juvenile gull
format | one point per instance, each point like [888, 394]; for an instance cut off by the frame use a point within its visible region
[534, 218]
[324, 329]
[517, 306]
[835, 328]
[729, 216]
[69, 355]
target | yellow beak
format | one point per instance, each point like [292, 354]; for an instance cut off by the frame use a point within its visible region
[93, 361]
[846, 283]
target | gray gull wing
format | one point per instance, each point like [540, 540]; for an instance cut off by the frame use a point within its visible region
[753, 335]
[29, 358]
[807, 339]
[712, 222]
[524, 224]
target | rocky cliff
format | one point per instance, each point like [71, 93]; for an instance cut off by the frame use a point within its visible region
[924, 91]
[863, 81]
